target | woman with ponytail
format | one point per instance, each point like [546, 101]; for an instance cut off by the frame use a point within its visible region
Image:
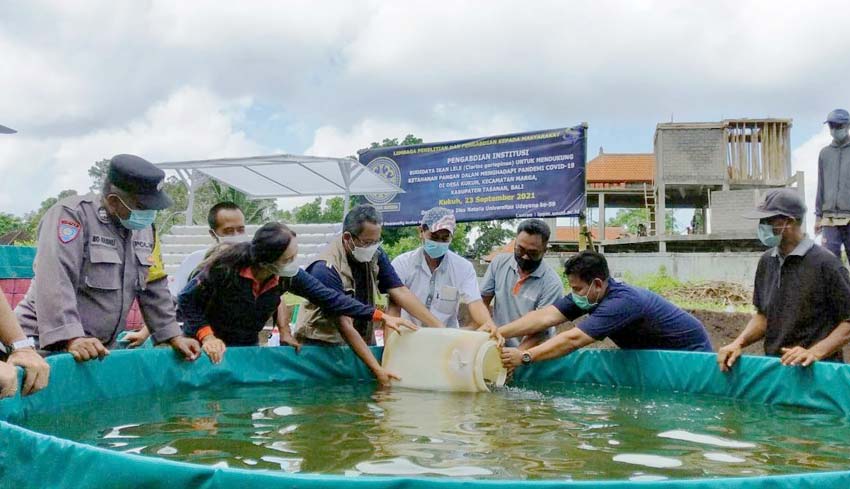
[241, 285]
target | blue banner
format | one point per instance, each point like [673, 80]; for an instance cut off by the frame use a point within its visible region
[532, 174]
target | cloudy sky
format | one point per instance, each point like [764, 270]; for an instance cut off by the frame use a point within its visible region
[168, 80]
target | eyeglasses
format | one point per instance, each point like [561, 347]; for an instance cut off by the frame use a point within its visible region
[836, 125]
[363, 244]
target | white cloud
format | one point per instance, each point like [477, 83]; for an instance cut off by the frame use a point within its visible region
[189, 124]
[84, 80]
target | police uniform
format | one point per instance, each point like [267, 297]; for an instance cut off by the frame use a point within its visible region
[89, 268]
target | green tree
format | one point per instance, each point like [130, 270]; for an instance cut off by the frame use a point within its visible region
[31, 219]
[97, 172]
[9, 222]
[630, 218]
[490, 235]
[409, 140]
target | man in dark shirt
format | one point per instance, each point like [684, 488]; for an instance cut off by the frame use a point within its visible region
[632, 317]
[801, 292]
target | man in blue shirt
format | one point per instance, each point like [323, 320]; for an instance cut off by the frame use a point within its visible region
[632, 317]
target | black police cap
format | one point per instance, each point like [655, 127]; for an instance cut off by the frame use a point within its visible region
[140, 178]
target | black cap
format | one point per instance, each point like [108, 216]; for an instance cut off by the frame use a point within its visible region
[141, 178]
[780, 202]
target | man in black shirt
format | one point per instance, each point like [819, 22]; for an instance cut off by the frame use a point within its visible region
[801, 293]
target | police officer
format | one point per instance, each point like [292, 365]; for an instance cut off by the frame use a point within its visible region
[94, 257]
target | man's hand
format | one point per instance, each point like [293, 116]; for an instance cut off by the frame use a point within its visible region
[818, 227]
[491, 328]
[189, 347]
[214, 347]
[798, 356]
[511, 357]
[385, 377]
[8, 380]
[396, 323]
[727, 355]
[36, 369]
[86, 348]
[136, 339]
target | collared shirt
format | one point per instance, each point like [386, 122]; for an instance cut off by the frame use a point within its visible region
[88, 271]
[453, 282]
[514, 296]
[804, 296]
[636, 318]
[257, 287]
[237, 308]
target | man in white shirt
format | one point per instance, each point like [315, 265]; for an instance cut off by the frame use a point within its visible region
[439, 277]
[227, 225]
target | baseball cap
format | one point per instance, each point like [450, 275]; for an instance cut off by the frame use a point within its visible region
[838, 116]
[779, 202]
[439, 218]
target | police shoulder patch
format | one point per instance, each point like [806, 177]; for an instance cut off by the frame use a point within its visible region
[68, 230]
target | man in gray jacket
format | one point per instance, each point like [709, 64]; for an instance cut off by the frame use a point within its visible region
[832, 204]
[94, 256]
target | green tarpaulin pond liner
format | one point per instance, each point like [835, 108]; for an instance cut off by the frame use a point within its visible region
[30, 459]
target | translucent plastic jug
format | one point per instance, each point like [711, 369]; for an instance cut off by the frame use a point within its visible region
[445, 359]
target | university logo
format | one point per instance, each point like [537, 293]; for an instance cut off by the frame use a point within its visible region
[389, 171]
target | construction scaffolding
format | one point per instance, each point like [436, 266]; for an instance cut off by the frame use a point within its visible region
[758, 151]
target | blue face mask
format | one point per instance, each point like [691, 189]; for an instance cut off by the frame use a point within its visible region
[436, 250]
[581, 301]
[138, 219]
[767, 237]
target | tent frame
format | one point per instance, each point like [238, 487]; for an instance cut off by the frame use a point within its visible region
[192, 174]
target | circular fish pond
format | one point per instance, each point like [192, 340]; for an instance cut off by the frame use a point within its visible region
[269, 417]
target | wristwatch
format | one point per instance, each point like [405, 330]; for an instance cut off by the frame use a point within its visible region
[27, 342]
[526, 358]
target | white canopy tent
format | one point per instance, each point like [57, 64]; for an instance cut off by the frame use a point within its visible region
[283, 175]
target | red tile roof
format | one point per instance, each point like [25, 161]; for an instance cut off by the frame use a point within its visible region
[610, 168]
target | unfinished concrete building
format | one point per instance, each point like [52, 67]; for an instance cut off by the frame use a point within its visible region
[719, 169]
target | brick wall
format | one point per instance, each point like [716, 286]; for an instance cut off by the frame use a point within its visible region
[692, 155]
[727, 207]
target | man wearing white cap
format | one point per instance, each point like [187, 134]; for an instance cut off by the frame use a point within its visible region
[439, 277]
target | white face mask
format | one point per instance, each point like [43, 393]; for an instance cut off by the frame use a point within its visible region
[364, 255]
[236, 238]
[839, 133]
[289, 270]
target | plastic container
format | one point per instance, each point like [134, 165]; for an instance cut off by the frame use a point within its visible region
[445, 359]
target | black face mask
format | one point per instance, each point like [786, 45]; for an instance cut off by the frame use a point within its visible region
[527, 265]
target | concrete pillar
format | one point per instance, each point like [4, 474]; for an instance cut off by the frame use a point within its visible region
[660, 211]
[600, 233]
